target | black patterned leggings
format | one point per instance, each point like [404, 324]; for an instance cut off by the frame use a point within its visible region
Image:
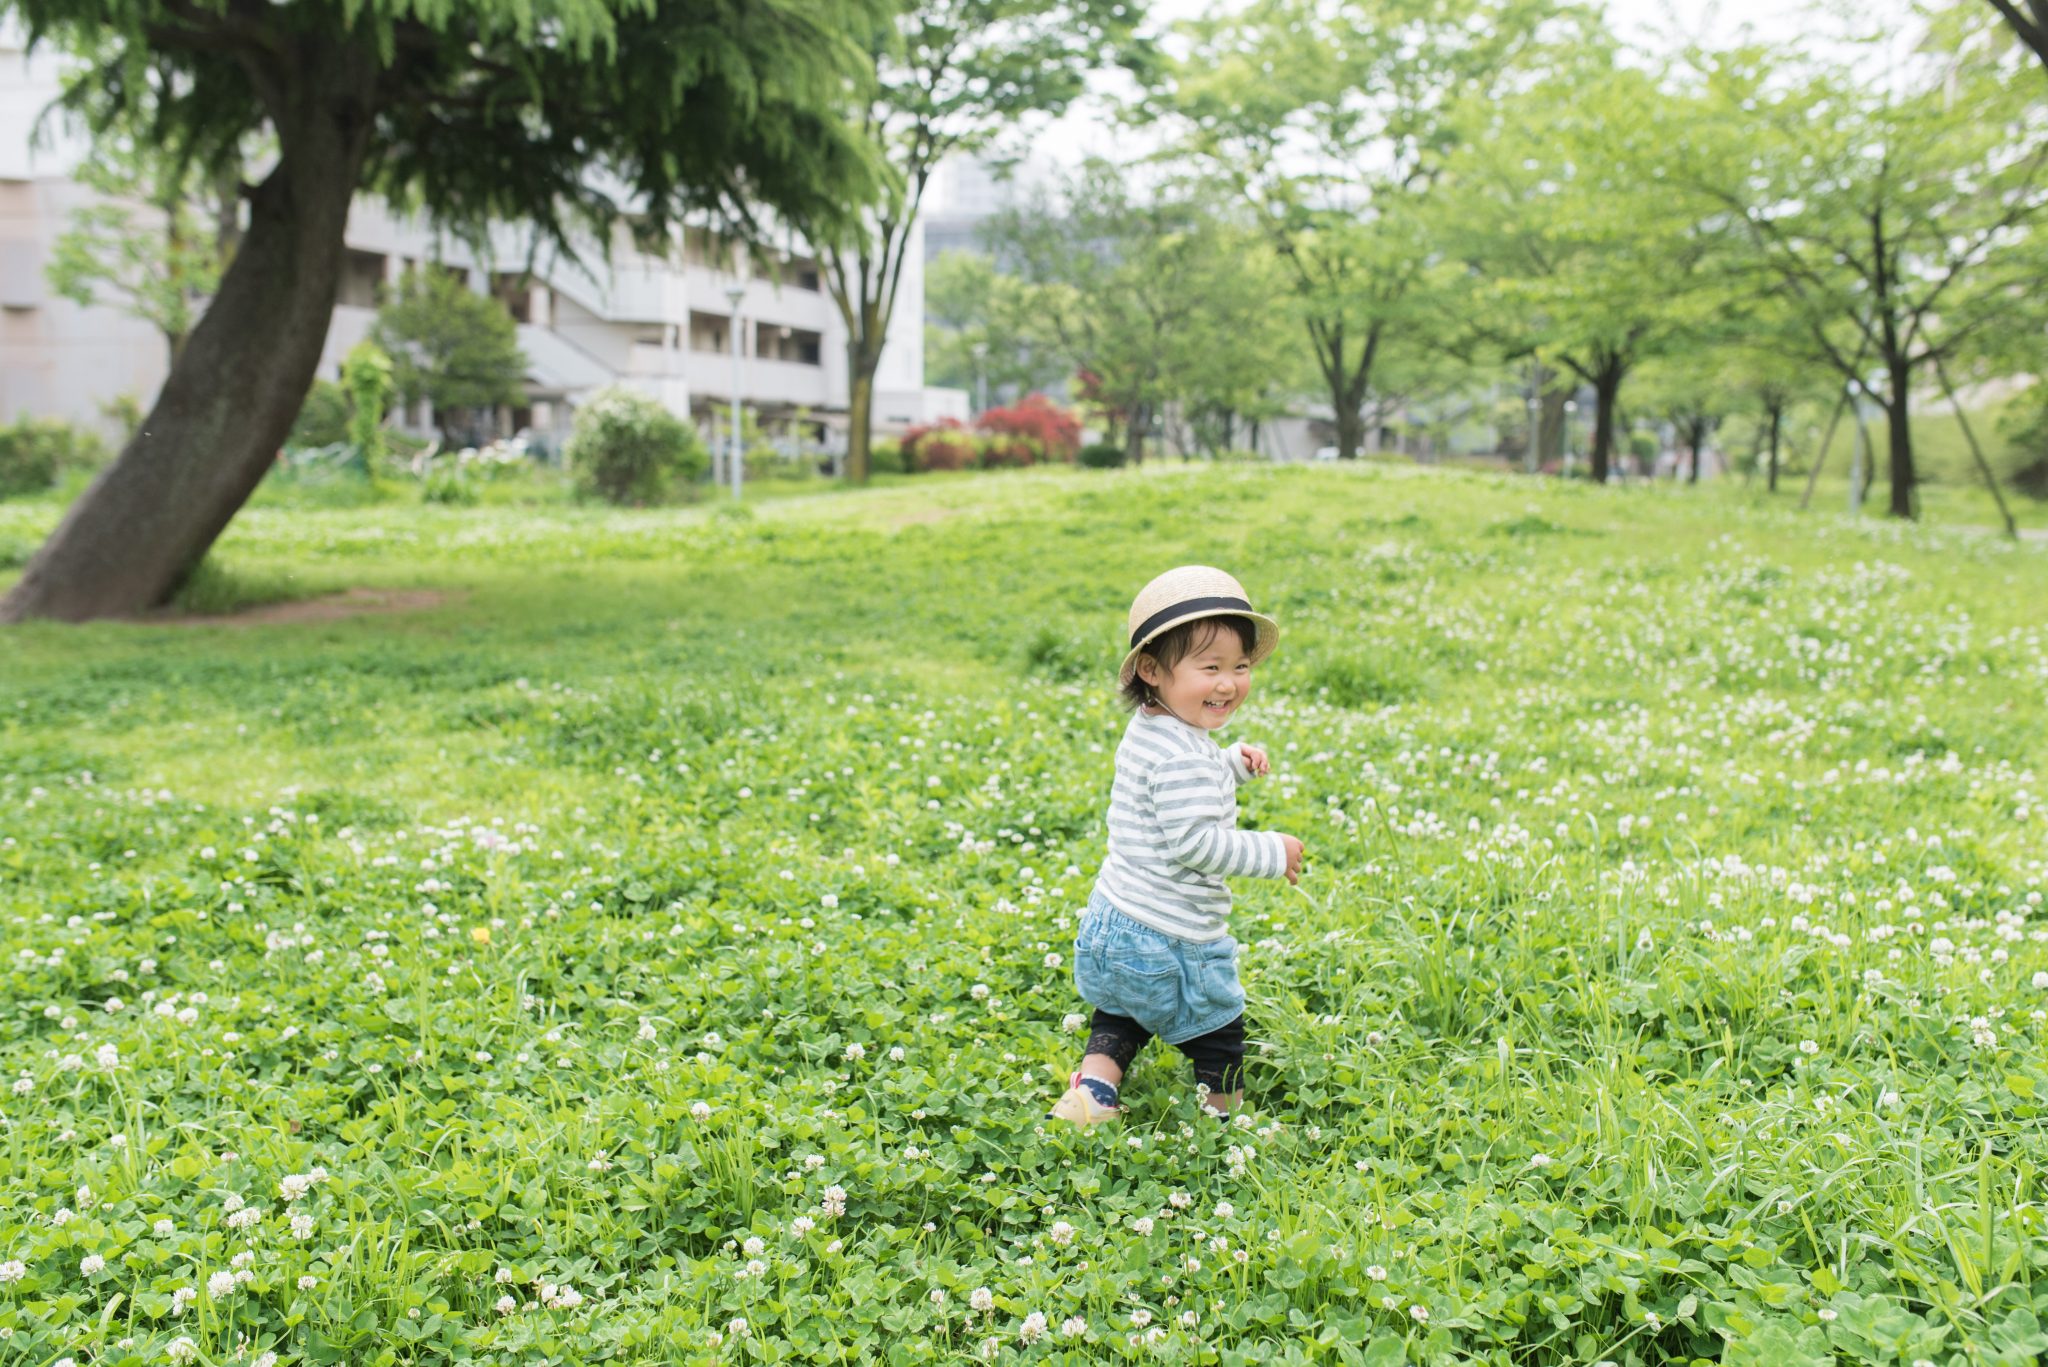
[1218, 1056]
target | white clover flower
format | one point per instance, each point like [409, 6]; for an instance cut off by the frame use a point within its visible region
[739, 1328]
[1539, 1160]
[1420, 1313]
[1180, 1200]
[1140, 1318]
[90, 1264]
[308, 1282]
[753, 1247]
[982, 1299]
[181, 1349]
[1073, 1327]
[302, 1226]
[829, 900]
[220, 1284]
[107, 1056]
[802, 1225]
[835, 1201]
[856, 1051]
[896, 1054]
[183, 1297]
[2041, 980]
[1224, 1210]
[1143, 1224]
[163, 1229]
[1061, 1233]
[700, 1111]
[505, 1305]
[1374, 1272]
[938, 1297]
[244, 1218]
[265, 1359]
[1033, 1328]
[13, 1270]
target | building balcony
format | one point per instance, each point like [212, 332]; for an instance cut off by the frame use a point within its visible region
[761, 382]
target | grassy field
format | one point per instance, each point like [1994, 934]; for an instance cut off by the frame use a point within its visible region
[656, 949]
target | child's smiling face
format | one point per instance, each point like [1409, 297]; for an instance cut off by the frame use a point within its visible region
[1208, 684]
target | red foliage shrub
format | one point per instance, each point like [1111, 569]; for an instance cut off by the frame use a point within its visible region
[1048, 432]
[943, 445]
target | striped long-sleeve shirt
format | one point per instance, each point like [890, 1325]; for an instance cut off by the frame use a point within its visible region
[1173, 834]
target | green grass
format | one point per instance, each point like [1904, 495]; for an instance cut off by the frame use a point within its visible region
[1662, 989]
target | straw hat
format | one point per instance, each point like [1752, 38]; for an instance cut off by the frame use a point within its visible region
[1184, 594]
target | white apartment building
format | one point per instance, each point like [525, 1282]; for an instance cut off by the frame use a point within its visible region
[661, 325]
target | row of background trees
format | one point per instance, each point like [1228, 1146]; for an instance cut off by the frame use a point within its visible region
[1400, 199]
[1414, 191]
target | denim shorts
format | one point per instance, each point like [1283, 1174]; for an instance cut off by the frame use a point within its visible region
[1175, 988]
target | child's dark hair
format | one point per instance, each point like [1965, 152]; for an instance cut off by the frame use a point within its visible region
[1176, 643]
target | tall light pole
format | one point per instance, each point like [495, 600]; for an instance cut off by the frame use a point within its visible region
[736, 459]
[1571, 406]
[980, 350]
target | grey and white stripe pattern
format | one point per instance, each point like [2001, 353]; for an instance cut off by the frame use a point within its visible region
[1173, 834]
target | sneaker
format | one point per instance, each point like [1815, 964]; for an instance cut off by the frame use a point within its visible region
[1080, 1106]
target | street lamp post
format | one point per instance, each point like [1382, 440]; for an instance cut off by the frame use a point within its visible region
[1571, 406]
[980, 350]
[736, 456]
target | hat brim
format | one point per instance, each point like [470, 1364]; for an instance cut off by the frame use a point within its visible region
[1266, 636]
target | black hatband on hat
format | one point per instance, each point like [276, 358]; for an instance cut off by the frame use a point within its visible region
[1160, 619]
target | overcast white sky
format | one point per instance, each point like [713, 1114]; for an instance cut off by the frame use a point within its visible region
[1655, 25]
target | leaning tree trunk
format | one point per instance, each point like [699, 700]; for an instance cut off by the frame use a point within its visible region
[1900, 442]
[228, 403]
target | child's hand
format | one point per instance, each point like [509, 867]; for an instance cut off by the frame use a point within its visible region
[1294, 851]
[1255, 759]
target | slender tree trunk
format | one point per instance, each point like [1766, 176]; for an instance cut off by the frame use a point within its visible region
[1777, 416]
[1550, 424]
[145, 523]
[1695, 437]
[860, 407]
[1134, 434]
[1900, 439]
[1606, 387]
[861, 365]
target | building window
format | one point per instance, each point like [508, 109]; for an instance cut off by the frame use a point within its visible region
[515, 291]
[710, 332]
[799, 346]
[362, 277]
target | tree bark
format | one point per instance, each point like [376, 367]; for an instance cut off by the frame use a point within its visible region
[1134, 434]
[1900, 438]
[146, 522]
[1350, 432]
[1606, 387]
[1777, 416]
[860, 409]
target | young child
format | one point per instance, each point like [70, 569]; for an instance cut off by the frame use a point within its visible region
[1153, 954]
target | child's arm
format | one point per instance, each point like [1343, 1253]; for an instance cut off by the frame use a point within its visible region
[1191, 807]
[1246, 762]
